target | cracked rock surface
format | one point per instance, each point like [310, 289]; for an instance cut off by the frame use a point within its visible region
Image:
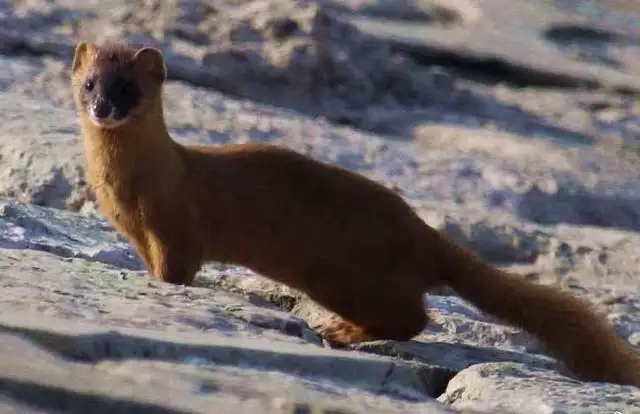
[510, 125]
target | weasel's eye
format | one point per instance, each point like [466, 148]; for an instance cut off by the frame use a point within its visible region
[88, 85]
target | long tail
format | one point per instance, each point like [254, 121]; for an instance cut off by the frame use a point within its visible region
[572, 332]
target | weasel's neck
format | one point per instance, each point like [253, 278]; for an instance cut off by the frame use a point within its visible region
[142, 143]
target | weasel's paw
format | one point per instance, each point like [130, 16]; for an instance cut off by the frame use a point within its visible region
[339, 332]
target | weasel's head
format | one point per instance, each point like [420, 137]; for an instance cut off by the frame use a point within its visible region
[113, 83]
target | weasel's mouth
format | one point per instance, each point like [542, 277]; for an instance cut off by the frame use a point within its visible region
[107, 123]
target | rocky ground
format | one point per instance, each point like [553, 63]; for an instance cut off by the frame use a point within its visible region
[511, 125]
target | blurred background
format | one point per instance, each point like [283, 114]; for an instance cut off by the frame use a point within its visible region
[560, 73]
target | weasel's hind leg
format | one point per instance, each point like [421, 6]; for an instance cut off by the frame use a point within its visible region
[399, 316]
[339, 332]
[395, 314]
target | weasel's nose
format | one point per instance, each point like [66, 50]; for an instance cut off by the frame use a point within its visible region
[101, 109]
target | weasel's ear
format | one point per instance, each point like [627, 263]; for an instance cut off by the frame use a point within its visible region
[151, 61]
[82, 51]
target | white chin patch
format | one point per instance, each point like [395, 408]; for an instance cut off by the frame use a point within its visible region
[107, 123]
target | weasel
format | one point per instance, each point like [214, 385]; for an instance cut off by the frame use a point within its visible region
[352, 245]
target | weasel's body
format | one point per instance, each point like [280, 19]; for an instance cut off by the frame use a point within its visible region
[352, 245]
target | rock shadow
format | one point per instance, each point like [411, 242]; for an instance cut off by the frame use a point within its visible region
[581, 208]
[336, 71]
[589, 44]
[406, 10]
[48, 397]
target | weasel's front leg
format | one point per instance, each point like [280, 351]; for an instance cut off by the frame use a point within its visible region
[174, 261]
[140, 247]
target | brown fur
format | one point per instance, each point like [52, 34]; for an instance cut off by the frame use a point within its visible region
[351, 244]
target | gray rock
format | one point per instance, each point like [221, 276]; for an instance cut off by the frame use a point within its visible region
[24, 226]
[199, 369]
[45, 382]
[41, 162]
[518, 388]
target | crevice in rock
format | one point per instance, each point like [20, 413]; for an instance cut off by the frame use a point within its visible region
[458, 357]
[73, 402]
[435, 379]
[283, 302]
[22, 48]
[568, 32]
[492, 70]
[279, 300]
[433, 14]
[114, 345]
[440, 387]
